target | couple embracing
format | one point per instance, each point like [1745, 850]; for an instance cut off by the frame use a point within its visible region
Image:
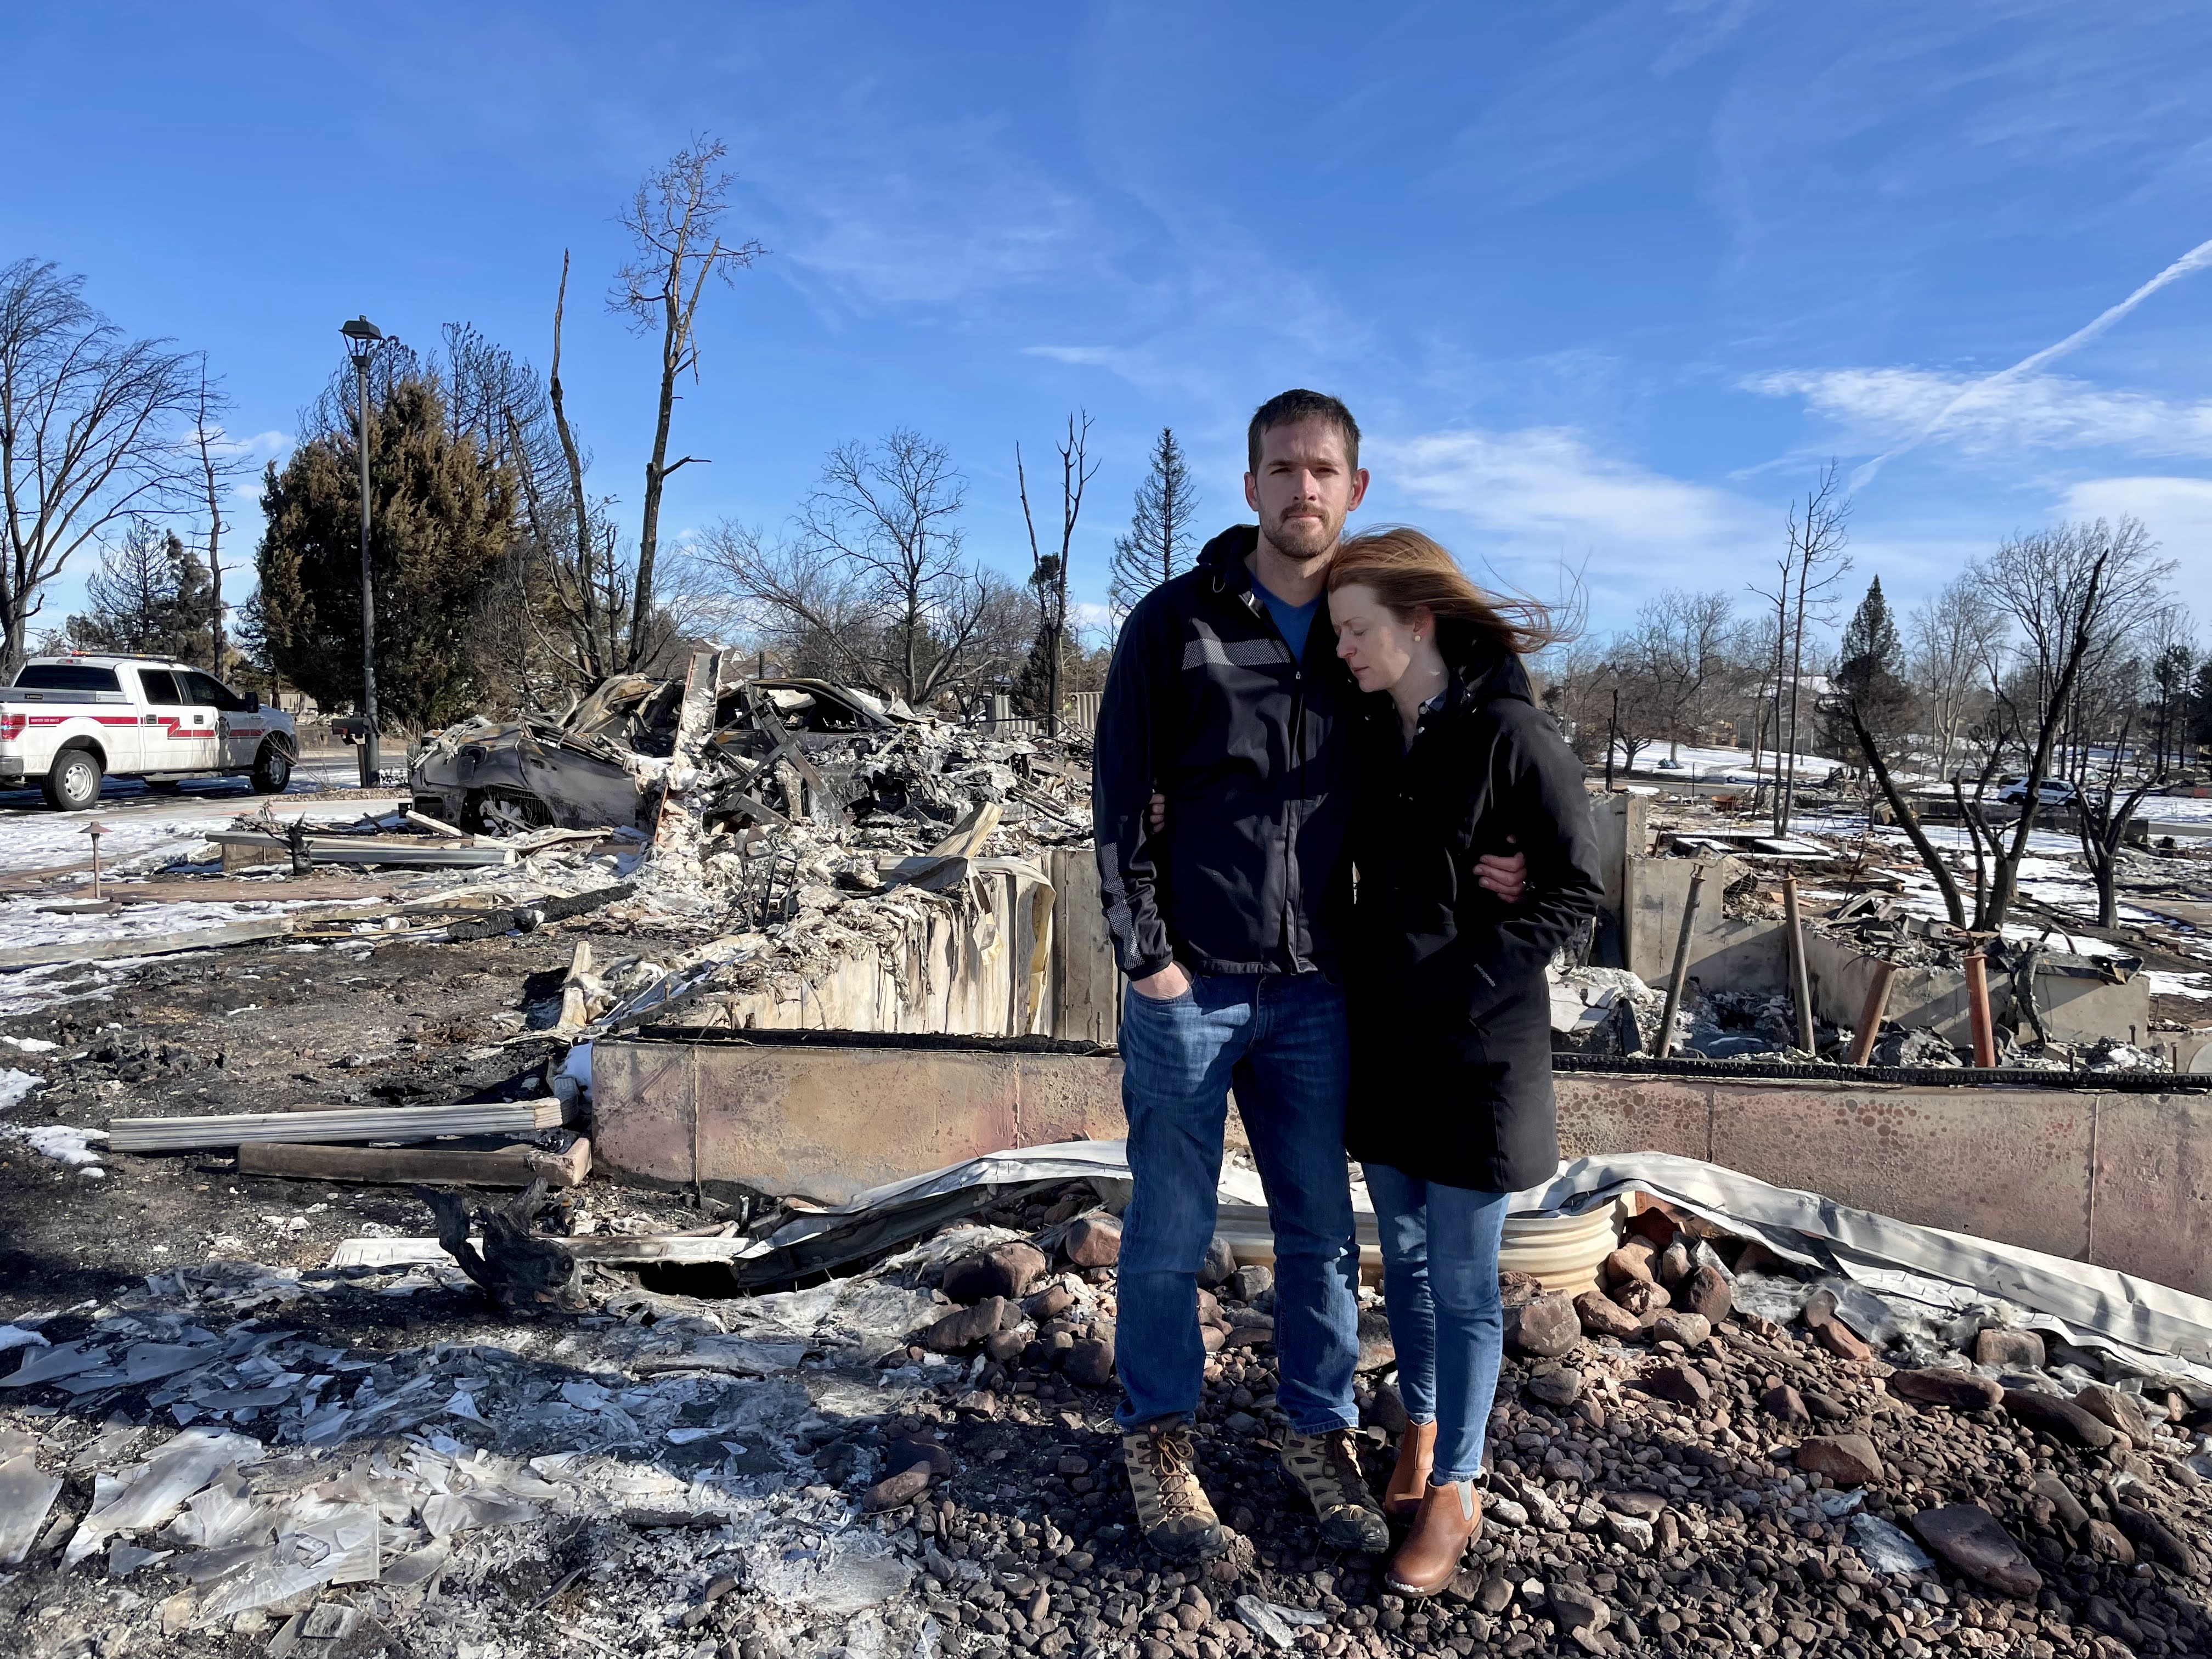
[1338, 842]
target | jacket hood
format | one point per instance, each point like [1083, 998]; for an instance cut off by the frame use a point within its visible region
[1223, 558]
[1484, 677]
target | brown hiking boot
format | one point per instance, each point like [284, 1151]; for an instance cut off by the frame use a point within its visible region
[1326, 1467]
[1450, 1519]
[1409, 1480]
[1172, 1509]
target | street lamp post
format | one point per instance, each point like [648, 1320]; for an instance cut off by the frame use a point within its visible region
[362, 337]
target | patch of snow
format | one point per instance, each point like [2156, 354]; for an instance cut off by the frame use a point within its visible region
[62, 1142]
[15, 1086]
[31, 1045]
[2179, 985]
[22, 923]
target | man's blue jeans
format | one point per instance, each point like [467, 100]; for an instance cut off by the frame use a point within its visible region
[1440, 1279]
[1281, 1039]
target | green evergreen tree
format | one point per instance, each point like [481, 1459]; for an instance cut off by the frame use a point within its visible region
[152, 595]
[442, 517]
[1161, 541]
[1867, 680]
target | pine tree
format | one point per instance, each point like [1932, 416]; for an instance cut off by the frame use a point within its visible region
[443, 520]
[1867, 675]
[152, 595]
[1159, 544]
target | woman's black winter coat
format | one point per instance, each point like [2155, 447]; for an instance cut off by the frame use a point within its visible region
[1451, 1022]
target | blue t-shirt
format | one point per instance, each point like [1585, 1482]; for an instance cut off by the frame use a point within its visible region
[1293, 622]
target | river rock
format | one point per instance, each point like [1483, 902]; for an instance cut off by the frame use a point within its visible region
[1965, 1391]
[1841, 1341]
[1849, 1460]
[1546, 1328]
[1221, 1263]
[1690, 1330]
[1785, 1402]
[2115, 1410]
[1092, 1363]
[1557, 1385]
[1631, 1262]
[2062, 1419]
[1640, 1296]
[2064, 1503]
[2008, 1351]
[1973, 1542]
[2153, 1537]
[1705, 1291]
[893, 1491]
[1093, 1242]
[1602, 1317]
[964, 1327]
[1686, 1385]
[1004, 1270]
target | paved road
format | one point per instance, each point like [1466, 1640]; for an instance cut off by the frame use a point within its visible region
[34, 836]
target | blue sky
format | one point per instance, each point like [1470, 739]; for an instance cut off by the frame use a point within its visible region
[1604, 284]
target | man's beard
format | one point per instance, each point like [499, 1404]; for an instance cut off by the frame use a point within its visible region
[1302, 538]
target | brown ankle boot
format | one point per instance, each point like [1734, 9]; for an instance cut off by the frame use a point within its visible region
[1450, 1519]
[1416, 1448]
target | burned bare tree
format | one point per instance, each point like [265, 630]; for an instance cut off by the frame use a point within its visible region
[1048, 571]
[1161, 538]
[1812, 563]
[674, 221]
[220, 464]
[1951, 643]
[889, 515]
[1681, 645]
[88, 424]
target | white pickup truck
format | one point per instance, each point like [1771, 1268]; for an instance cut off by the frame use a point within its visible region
[69, 721]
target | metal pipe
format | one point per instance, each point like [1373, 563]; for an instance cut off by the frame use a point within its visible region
[1801, 983]
[371, 760]
[1978, 1008]
[1877, 1001]
[1682, 963]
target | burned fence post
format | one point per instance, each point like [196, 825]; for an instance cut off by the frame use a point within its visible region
[1978, 1009]
[1682, 963]
[1800, 983]
[1877, 1002]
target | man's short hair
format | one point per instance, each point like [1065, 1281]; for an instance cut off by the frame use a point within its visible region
[1288, 408]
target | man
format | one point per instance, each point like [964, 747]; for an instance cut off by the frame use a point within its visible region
[1226, 697]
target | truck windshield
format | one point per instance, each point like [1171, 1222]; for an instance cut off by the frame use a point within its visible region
[67, 676]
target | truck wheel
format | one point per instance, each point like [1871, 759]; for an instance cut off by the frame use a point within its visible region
[272, 770]
[73, 782]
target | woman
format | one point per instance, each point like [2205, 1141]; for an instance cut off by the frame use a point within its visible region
[1451, 1106]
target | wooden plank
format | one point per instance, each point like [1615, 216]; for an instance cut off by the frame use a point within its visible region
[439, 827]
[512, 1166]
[616, 1249]
[324, 1127]
[152, 945]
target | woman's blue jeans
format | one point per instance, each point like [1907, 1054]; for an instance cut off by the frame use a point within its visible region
[1440, 1279]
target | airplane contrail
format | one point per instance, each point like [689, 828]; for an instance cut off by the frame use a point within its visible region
[2197, 258]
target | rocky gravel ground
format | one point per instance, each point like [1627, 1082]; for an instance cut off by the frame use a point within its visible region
[922, 1460]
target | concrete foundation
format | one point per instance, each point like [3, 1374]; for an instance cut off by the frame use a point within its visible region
[826, 1115]
[1725, 955]
[2075, 1009]
[2121, 1180]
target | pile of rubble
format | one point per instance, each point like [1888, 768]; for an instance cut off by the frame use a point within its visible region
[1717, 1453]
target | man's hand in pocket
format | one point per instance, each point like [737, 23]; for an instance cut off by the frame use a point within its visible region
[1169, 983]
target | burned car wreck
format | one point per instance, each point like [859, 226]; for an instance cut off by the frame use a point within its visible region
[779, 751]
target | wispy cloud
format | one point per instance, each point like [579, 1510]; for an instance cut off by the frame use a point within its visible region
[1896, 410]
[1991, 391]
[1544, 494]
[2178, 511]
